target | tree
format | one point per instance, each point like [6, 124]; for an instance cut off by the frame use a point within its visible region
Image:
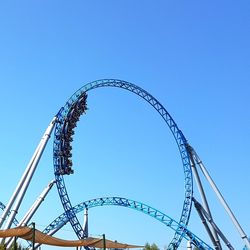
[2, 247]
[13, 247]
[151, 247]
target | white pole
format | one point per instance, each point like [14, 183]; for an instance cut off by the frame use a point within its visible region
[27, 217]
[210, 220]
[36, 204]
[86, 224]
[222, 200]
[18, 187]
[189, 245]
[214, 237]
[29, 176]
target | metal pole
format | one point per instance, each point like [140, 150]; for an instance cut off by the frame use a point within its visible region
[33, 235]
[204, 212]
[189, 245]
[86, 224]
[214, 236]
[15, 244]
[222, 201]
[36, 204]
[104, 242]
[18, 187]
[203, 220]
[32, 210]
[26, 183]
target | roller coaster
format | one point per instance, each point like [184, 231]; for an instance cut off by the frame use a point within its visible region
[64, 124]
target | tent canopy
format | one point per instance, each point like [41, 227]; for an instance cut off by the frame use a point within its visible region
[37, 236]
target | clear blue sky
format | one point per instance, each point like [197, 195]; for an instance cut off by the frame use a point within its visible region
[193, 56]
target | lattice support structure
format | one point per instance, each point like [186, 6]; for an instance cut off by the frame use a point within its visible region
[63, 166]
[135, 205]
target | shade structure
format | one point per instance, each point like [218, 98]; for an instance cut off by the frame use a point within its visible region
[37, 236]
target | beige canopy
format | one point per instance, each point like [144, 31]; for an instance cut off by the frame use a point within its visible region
[39, 237]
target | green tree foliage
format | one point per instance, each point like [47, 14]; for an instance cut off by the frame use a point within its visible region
[151, 247]
[13, 247]
[2, 247]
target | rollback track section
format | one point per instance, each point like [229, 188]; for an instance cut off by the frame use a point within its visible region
[67, 120]
[64, 130]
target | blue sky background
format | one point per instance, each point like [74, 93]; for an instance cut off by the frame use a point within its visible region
[193, 56]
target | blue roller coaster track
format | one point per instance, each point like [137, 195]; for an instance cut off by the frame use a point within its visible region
[67, 118]
[135, 205]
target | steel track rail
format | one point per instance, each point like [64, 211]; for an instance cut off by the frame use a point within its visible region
[181, 141]
[135, 205]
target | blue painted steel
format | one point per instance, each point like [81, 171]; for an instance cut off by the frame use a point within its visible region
[135, 205]
[64, 116]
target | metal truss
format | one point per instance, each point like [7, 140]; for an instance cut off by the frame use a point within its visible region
[68, 117]
[135, 205]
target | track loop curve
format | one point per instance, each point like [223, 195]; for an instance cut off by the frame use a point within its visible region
[66, 120]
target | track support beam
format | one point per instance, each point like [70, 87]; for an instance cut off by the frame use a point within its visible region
[24, 182]
[221, 199]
